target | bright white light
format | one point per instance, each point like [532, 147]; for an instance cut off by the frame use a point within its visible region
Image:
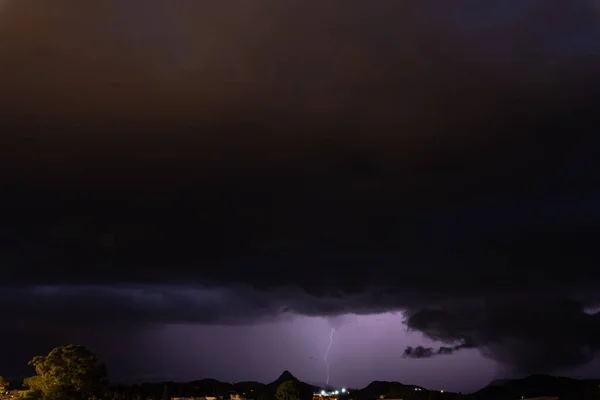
[323, 392]
[337, 392]
[343, 390]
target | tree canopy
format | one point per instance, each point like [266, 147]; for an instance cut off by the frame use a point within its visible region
[67, 372]
[4, 383]
[288, 390]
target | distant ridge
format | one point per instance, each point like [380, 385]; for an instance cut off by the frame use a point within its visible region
[531, 387]
[539, 386]
[388, 389]
[498, 382]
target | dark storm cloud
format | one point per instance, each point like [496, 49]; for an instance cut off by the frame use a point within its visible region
[538, 335]
[428, 352]
[419, 352]
[225, 163]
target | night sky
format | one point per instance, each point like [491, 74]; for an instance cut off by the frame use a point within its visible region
[206, 188]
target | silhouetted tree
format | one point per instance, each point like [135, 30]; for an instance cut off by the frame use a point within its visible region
[67, 372]
[289, 390]
[4, 383]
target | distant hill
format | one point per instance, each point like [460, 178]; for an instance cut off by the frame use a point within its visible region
[534, 386]
[213, 387]
[284, 377]
[397, 390]
[210, 387]
[540, 386]
[306, 390]
[248, 387]
[498, 382]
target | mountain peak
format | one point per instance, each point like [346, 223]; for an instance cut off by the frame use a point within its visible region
[284, 377]
[287, 376]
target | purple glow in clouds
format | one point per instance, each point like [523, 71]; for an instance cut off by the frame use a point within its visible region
[367, 348]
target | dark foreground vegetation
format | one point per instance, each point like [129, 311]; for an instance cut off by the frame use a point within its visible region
[74, 373]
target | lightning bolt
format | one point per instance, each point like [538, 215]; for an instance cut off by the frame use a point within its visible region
[327, 353]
